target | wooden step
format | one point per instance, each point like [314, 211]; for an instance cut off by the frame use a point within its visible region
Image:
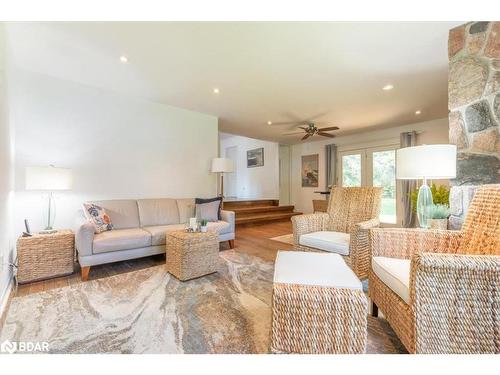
[240, 212]
[232, 205]
[262, 217]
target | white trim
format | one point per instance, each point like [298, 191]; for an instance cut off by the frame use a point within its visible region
[388, 142]
[4, 299]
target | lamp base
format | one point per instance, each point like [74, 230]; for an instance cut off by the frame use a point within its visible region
[424, 201]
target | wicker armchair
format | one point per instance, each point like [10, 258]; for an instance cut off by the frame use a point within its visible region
[453, 282]
[351, 213]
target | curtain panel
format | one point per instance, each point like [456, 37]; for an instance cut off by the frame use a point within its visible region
[407, 139]
[331, 165]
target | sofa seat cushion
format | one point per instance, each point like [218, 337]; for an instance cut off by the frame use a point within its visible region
[221, 227]
[395, 273]
[334, 242]
[158, 232]
[319, 269]
[121, 239]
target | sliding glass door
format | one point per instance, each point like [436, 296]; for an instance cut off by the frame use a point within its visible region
[383, 174]
[352, 166]
[375, 166]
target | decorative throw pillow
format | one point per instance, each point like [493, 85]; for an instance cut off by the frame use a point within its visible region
[208, 211]
[98, 217]
[209, 200]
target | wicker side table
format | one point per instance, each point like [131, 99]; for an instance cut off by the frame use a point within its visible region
[191, 255]
[318, 305]
[45, 256]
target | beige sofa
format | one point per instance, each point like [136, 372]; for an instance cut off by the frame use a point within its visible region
[139, 229]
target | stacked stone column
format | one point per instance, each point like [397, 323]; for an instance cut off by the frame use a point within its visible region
[474, 110]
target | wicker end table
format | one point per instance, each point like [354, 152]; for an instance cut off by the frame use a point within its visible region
[318, 305]
[44, 256]
[191, 255]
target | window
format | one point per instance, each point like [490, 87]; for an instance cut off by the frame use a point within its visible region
[384, 175]
[351, 170]
[375, 166]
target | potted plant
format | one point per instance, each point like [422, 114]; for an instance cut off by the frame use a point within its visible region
[203, 225]
[438, 214]
[440, 195]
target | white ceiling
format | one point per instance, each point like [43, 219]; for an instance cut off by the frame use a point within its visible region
[278, 71]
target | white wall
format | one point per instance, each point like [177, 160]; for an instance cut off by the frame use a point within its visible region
[429, 132]
[256, 182]
[117, 146]
[6, 178]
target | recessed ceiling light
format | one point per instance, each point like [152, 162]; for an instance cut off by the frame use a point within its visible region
[417, 112]
[269, 123]
[216, 90]
[123, 59]
[387, 87]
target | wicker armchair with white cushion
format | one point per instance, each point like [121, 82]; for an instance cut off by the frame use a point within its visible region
[440, 289]
[343, 229]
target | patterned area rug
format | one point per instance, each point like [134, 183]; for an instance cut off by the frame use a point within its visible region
[149, 311]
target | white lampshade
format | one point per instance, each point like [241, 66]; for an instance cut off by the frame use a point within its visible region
[48, 178]
[222, 165]
[426, 161]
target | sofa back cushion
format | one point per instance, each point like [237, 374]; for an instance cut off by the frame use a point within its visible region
[186, 209]
[122, 212]
[162, 211]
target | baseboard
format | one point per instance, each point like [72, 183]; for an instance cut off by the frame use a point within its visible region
[5, 301]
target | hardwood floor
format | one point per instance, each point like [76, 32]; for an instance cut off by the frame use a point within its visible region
[253, 239]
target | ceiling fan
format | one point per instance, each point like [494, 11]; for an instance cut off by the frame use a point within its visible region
[311, 129]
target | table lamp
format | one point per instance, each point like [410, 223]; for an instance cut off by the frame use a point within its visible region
[49, 179]
[426, 162]
[222, 165]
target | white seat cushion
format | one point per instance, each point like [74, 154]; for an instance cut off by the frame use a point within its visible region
[320, 269]
[395, 273]
[121, 239]
[334, 242]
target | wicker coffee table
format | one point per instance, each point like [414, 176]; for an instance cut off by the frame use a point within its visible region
[318, 305]
[191, 255]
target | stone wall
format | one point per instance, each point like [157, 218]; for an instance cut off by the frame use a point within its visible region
[474, 110]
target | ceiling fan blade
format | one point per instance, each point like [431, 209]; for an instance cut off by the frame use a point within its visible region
[301, 127]
[293, 133]
[326, 135]
[328, 129]
[305, 136]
